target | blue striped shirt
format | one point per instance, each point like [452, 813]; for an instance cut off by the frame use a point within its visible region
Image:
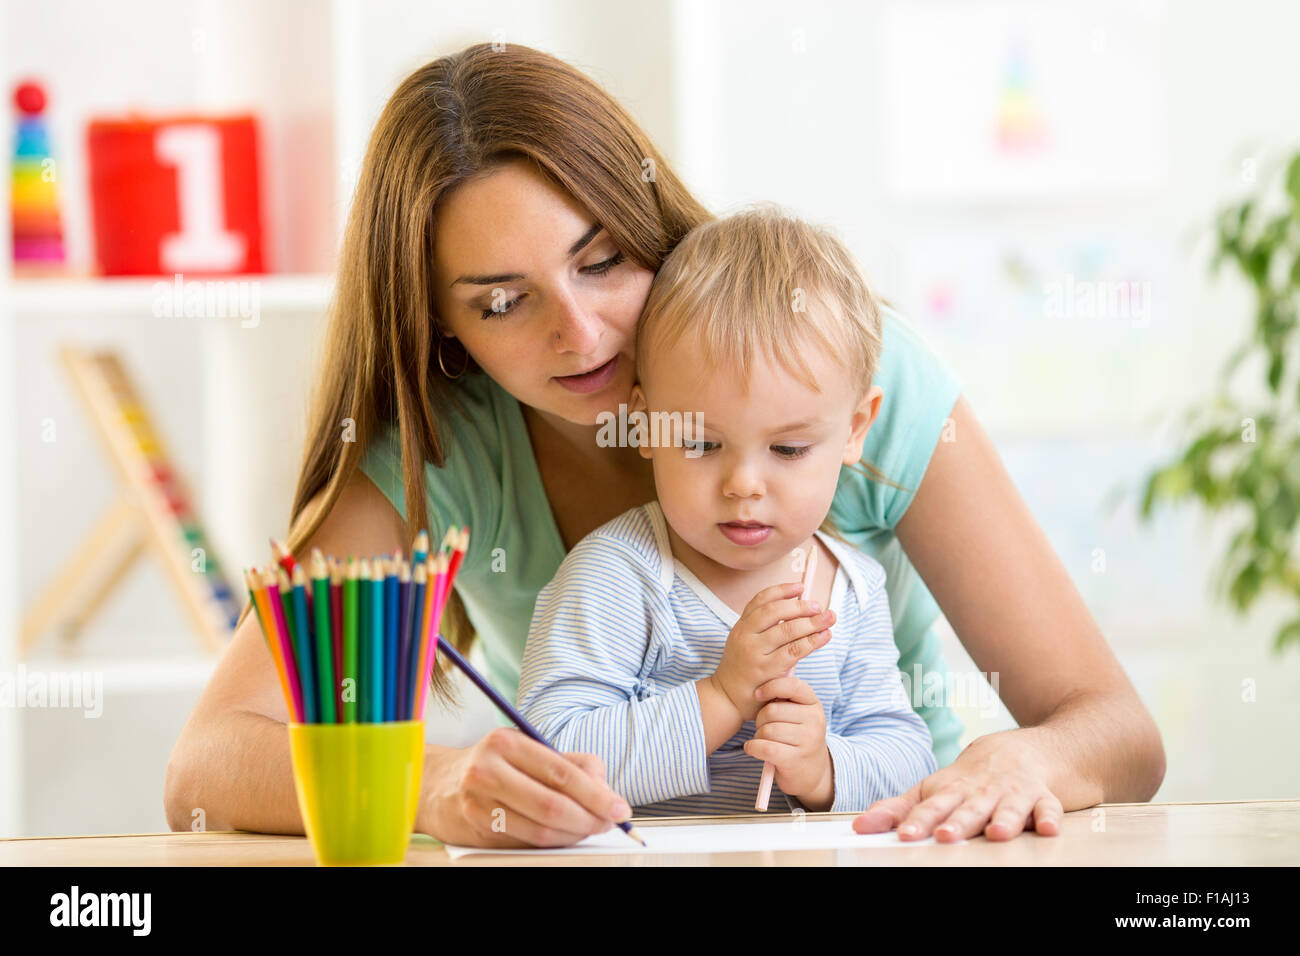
[623, 631]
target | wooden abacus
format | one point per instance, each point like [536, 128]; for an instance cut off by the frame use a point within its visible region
[152, 512]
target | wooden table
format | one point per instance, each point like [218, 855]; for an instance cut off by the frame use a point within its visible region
[1263, 832]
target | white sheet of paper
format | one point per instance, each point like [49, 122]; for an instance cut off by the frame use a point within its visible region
[721, 838]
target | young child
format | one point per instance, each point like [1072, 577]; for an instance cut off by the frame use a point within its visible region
[663, 643]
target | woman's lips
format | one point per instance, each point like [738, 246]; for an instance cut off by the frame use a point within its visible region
[745, 534]
[592, 381]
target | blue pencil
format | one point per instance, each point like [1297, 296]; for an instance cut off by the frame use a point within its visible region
[444, 646]
[306, 645]
[406, 594]
[377, 660]
[302, 658]
[392, 610]
[414, 639]
[363, 641]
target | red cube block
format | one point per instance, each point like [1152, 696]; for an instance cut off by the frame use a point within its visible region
[176, 195]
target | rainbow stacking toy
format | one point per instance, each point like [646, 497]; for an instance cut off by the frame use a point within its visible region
[37, 231]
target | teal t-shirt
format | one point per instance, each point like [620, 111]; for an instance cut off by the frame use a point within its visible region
[491, 483]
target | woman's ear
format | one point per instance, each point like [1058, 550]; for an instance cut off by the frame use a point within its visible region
[863, 416]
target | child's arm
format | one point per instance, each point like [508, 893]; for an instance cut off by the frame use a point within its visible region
[879, 745]
[593, 630]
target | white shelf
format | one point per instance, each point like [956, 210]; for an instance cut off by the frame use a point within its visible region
[135, 296]
[140, 675]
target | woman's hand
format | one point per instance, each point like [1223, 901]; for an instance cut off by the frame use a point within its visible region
[997, 786]
[510, 791]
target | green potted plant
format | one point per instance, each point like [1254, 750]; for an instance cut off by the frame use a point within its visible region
[1244, 455]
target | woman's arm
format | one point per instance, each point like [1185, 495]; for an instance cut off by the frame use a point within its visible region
[232, 757]
[1084, 736]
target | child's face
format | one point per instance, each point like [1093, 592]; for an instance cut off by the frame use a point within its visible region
[772, 456]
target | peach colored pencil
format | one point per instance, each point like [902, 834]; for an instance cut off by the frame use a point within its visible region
[769, 770]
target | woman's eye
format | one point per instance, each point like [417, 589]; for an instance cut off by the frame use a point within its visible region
[499, 310]
[792, 451]
[600, 268]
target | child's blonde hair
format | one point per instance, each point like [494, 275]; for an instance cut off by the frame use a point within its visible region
[746, 282]
[763, 280]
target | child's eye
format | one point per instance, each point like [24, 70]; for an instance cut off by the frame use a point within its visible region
[696, 448]
[792, 451]
[600, 268]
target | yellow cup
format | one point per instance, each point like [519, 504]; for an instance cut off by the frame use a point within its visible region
[358, 788]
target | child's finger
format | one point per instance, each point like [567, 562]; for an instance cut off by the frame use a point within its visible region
[786, 688]
[768, 596]
[783, 711]
[783, 732]
[762, 619]
[771, 751]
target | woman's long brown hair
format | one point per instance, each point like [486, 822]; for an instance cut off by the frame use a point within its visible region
[454, 118]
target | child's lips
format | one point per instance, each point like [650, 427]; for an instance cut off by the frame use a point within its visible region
[746, 532]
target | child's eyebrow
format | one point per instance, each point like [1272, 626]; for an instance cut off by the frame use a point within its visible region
[592, 231]
[780, 429]
[794, 426]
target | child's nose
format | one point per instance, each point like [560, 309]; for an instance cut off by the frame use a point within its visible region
[743, 481]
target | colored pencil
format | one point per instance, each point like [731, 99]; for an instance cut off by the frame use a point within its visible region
[295, 612]
[356, 640]
[351, 614]
[392, 611]
[364, 679]
[517, 718]
[287, 652]
[378, 640]
[769, 770]
[446, 580]
[419, 603]
[405, 601]
[324, 639]
[283, 557]
[257, 596]
[336, 631]
[426, 628]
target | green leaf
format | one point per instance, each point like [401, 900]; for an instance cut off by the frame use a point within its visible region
[1276, 366]
[1288, 634]
[1293, 179]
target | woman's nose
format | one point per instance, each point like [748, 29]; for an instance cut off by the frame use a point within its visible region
[576, 327]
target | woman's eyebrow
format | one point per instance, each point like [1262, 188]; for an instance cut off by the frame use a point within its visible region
[574, 249]
[587, 236]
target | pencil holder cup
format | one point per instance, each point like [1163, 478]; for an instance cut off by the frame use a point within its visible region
[358, 788]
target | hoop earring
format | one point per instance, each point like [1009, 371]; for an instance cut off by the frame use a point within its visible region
[441, 339]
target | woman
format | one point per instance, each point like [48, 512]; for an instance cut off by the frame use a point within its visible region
[508, 221]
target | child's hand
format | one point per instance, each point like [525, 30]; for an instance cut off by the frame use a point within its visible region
[775, 631]
[791, 735]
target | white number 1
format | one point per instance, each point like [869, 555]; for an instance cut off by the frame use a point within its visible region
[203, 242]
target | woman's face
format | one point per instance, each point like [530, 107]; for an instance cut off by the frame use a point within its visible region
[538, 293]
